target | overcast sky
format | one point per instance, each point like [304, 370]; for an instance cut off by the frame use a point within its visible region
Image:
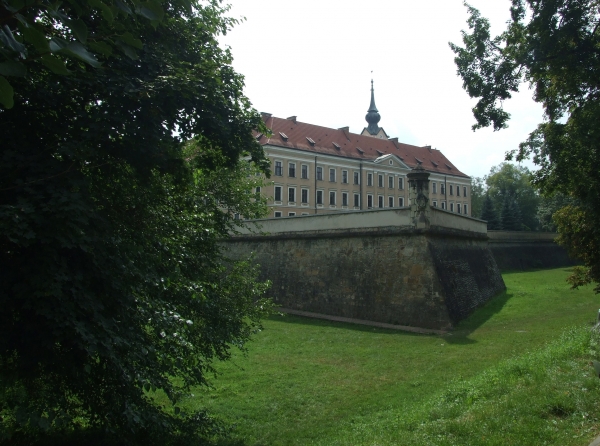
[313, 59]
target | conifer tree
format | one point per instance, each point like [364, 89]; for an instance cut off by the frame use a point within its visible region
[488, 213]
[510, 216]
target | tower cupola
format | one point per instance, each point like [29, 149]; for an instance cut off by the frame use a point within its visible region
[373, 116]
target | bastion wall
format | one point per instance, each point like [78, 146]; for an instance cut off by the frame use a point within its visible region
[385, 266]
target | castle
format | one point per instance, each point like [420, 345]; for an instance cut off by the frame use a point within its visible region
[320, 170]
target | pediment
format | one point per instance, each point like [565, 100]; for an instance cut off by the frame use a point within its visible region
[395, 159]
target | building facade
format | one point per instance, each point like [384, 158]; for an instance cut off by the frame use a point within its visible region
[319, 170]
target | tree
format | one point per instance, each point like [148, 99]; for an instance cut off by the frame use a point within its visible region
[510, 217]
[549, 206]
[45, 35]
[514, 182]
[477, 195]
[488, 213]
[552, 45]
[580, 234]
[113, 281]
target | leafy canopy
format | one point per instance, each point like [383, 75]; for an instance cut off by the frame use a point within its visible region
[554, 46]
[126, 149]
[510, 186]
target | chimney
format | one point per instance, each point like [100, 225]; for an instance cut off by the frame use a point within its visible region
[292, 118]
[265, 115]
[346, 131]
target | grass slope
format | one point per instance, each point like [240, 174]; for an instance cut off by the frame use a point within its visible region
[309, 381]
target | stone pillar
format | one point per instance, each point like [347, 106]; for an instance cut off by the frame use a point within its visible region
[418, 183]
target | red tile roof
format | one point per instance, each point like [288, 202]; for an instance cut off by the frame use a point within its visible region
[340, 142]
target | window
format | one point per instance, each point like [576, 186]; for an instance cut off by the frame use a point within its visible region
[332, 198]
[236, 216]
[258, 190]
[332, 175]
[345, 176]
[291, 214]
[380, 201]
[380, 180]
[292, 170]
[320, 173]
[458, 191]
[458, 209]
[344, 199]
[278, 193]
[277, 214]
[466, 209]
[355, 177]
[435, 204]
[451, 207]
[391, 182]
[390, 202]
[320, 197]
[304, 213]
[356, 200]
[369, 179]
[369, 201]
[292, 194]
[278, 169]
[304, 195]
[434, 188]
[451, 190]
[443, 191]
[465, 192]
[401, 201]
[400, 183]
[444, 205]
[304, 171]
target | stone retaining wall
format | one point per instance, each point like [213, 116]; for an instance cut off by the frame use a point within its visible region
[520, 250]
[395, 274]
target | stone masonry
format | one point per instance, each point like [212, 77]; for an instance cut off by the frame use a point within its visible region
[416, 266]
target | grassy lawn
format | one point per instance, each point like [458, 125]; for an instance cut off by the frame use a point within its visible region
[309, 381]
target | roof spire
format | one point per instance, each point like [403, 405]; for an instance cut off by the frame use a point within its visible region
[372, 116]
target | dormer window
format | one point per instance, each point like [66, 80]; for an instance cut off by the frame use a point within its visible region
[284, 136]
[361, 151]
[337, 146]
[379, 151]
[310, 140]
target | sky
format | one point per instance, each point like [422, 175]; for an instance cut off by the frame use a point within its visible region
[315, 59]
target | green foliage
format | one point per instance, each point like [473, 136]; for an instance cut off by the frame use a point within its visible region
[41, 35]
[579, 232]
[552, 45]
[488, 213]
[477, 195]
[510, 217]
[510, 185]
[549, 206]
[113, 279]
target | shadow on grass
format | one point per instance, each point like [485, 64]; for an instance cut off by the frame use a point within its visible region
[304, 320]
[460, 334]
